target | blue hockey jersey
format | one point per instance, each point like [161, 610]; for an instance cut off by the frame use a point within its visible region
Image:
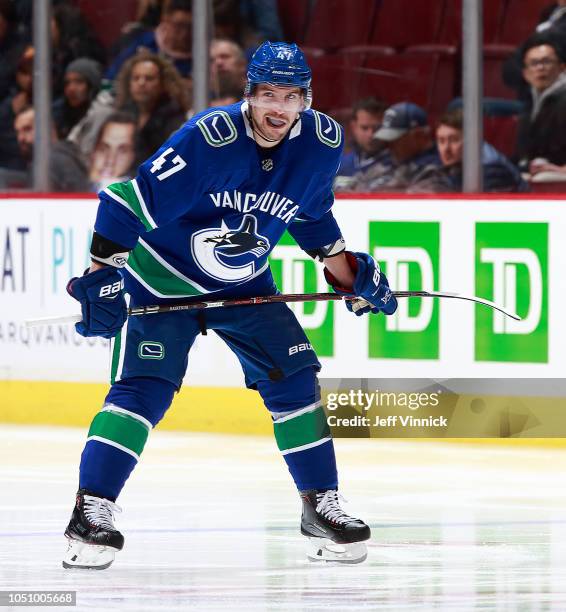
[207, 208]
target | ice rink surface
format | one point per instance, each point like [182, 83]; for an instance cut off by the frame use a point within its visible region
[211, 523]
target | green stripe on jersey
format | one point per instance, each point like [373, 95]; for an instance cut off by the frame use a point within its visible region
[126, 192]
[120, 428]
[304, 429]
[162, 280]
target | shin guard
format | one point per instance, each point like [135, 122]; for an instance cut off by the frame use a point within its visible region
[118, 433]
[301, 431]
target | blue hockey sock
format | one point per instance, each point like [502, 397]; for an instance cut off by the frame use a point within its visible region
[301, 431]
[118, 433]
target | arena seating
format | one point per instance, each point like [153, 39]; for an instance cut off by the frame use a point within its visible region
[107, 17]
[403, 23]
[402, 49]
[404, 76]
[451, 27]
[294, 16]
[521, 17]
[501, 132]
[355, 25]
[417, 42]
[494, 56]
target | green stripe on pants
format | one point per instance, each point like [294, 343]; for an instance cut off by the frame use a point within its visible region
[120, 428]
[304, 429]
[116, 347]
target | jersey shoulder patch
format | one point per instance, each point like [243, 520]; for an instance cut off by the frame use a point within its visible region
[328, 131]
[217, 128]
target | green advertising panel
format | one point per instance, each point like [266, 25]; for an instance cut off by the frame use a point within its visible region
[296, 272]
[408, 253]
[512, 269]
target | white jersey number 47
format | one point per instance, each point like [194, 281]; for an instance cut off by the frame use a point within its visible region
[178, 164]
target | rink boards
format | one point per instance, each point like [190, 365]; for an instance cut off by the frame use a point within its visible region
[511, 251]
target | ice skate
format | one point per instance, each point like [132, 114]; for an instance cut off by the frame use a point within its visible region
[93, 539]
[333, 535]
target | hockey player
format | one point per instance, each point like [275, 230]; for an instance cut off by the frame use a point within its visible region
[201, 217]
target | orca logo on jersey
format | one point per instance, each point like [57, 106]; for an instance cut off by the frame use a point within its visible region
[229, 254]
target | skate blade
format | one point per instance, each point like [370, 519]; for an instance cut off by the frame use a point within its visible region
[88, 556]
[327, 551]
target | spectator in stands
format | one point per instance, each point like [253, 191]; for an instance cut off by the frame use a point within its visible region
[249, 22]
[113, 158]
[148, 12]
[148, 16]
[406, 133]
[67, 170]
[553, 16]
[24, 11]
[85, 131]
[11, 46]
[227, 63]
[227, 93]
[9, 151]
[261, 22]
[72, 38]
[365, 152]
[81, 84]
[499, 174]
[542, 128]
[150, 89]
[24, 126]
[172, 39]
[552, 23]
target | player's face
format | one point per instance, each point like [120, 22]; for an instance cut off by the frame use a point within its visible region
[450, 144]
[145, 84]
[364, 127]
[275, 109]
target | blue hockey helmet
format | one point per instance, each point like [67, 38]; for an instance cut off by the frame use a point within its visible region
[280, 64]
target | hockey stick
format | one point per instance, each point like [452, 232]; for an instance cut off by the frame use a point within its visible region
[270, 299]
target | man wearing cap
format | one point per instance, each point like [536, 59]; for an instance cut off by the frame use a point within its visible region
[406, 133]
[366, 152]
[499, 174]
